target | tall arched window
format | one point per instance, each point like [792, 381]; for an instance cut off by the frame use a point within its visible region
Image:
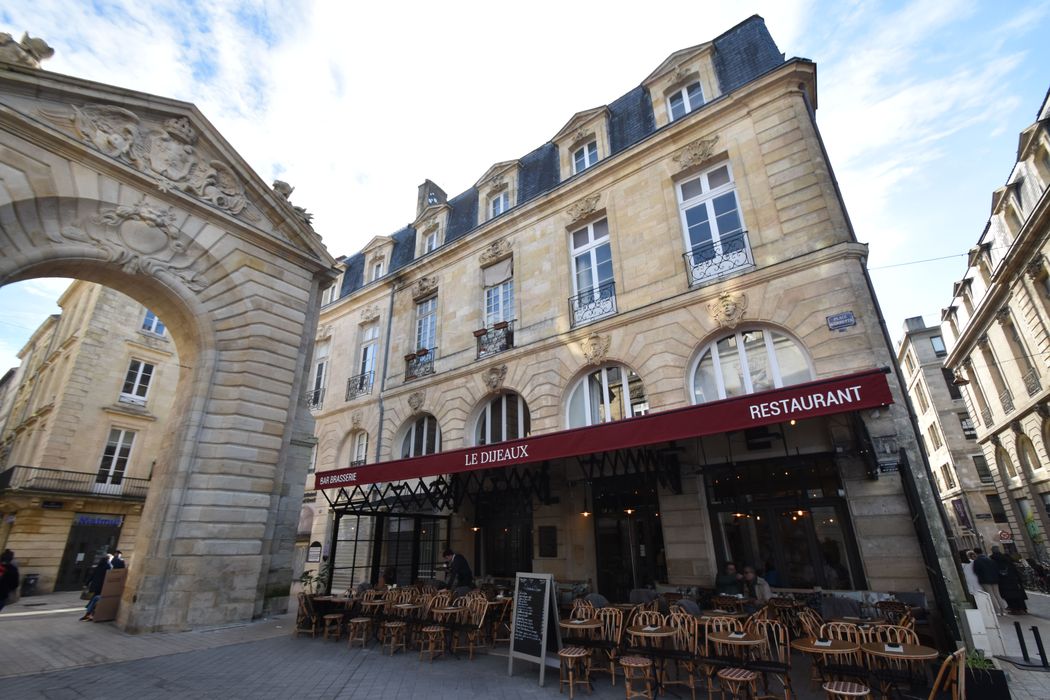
[1005, 463]
[505, 417]
[422, 437]
[611, 393]
[749, 360]
[1026, 453]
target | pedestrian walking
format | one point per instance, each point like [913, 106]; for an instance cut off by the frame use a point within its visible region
[1011, 589]
[987, 572]
[118, 560]
[8, 576]
[972, 584]
[94, 586]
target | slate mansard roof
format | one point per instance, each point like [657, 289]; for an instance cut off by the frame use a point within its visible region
[740, 55]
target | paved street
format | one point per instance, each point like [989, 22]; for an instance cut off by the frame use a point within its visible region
[45, 652]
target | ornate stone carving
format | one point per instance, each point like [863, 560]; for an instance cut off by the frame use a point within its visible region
[595, 347]
[425, 286]
[1003, 316]
[587, 205]
[429, 225]
[1034, 269]
[496, 251]
[580, 136]
[285, 191]
[371, 313]
[982, 342]
[164, 151]
[324, 331]
[494, 376]
[696, 152]
[28, 52]
[141, 238]
[679, 73]
[415, 400]
[728, 309]
[1015, 425]
[498, 184]
[355, 421]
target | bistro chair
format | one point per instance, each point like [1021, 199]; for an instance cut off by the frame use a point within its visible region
[475, 626]
[359, 630]
[774, 656]
[788, 611]
[637, 670]
[333, 626]
[950, 683]
[647, 618]
[845, 690]
[892, 610]
[574, 669]
[711, 661]
[739, 682]
[610, 637]
[684, 651]
[501, 628]
[810, 621]
[306, 619]
[845, 666]
[582, 609]
[727, 603]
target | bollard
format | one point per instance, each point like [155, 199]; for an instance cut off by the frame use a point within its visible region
[1039, 646]
[1020, 640]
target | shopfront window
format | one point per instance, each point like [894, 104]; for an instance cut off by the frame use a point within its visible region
[747, 361]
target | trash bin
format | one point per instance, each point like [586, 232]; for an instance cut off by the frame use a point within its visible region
[29, 582]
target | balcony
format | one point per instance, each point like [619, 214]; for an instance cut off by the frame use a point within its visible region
[593, 304]
[357, 463]
[1006, 399]
[496, 339]
[315, 399]
[58, 481]
[1031, 382]
[712, 261]
[420, 364]
[359, 385]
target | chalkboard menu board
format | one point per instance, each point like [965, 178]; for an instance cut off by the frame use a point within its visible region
[534, 626]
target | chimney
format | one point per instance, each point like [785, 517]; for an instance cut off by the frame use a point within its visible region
[915, 323]
[429, 195]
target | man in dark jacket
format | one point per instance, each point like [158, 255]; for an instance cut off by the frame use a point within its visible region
[94, 586]
[8, 576]
[987, 572]
[118, 560]
[459, 573]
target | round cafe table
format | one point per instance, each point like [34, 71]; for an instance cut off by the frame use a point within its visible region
[808, 645]
[908, 653]
[653, 637]
[708, 614]
[862, 621]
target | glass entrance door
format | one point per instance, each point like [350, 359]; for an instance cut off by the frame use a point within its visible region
[629, 542]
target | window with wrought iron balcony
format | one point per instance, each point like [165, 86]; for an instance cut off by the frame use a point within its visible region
[359, 384]
[593, 303]
[420, 363]
[495, 338]
[315, 399]
[713, 260]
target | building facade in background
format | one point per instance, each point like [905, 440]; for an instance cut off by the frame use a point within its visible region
[645, 348]
[89, 408]
[996, 328]
[960, 471]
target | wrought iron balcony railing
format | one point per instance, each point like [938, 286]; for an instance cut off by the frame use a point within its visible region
[359, 385]
[1031, 382]
[357, 463]
[592, 304]
[1006, 399]
[420, 364]
[58, 481]
[315, 399]
[711, 261]
[986, 416]
[496, 339]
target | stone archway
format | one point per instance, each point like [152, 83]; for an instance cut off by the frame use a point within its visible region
[141, 194]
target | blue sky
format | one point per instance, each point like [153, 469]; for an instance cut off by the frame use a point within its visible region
[919, 103]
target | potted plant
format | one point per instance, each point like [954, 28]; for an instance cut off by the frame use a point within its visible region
[983, 679]
[422, 352]
[480, 332]
[410, 356]
[500, 325]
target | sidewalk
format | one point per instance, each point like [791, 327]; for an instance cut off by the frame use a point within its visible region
[1027, 685]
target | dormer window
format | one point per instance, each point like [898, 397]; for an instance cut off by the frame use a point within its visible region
[584, 157]
[430, 241]
[377, 270]
[683, 101]
[498, 204]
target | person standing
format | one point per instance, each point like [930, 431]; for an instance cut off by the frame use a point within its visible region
[972, 584]
[98, 577]
[987, 572]
[8, 576]
[459, 574]
[1010, 587]
[118, 560]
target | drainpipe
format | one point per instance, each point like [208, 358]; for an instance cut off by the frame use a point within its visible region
[931, 529]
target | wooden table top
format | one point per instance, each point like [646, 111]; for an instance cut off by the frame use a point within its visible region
[862, 622]
[643, 631]
[724, 638]
[580, 624]
[909, 652]
[807, 645]
[407, 606]
[724, 613]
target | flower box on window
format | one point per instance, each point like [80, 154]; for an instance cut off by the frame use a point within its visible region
[480, 332]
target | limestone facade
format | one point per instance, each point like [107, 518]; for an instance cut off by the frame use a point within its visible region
[949, 436]
[650, 305]
[100, 375]
[996, 328]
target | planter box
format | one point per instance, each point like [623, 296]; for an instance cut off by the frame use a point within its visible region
[986, 684]
[480, 332]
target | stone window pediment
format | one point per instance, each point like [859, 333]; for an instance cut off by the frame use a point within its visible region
[583, 142]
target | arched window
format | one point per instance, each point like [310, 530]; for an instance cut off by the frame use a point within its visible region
[747, 361]
[505, 417]
[422, 437]
[611, 393]
[1005, 463]
[1026, 453]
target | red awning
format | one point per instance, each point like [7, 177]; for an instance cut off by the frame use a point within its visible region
[819, 398]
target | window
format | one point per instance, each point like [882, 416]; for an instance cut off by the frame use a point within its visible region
[920, 395]
[949, 477]
[607, 394]
[360, 455]
[377, 270]
[938, 345]
[316, 395]
[422, 437]
[426, 324]
[949, 380]
[115, 457]
[747, 361]
[584, 157]
[966, 423]
[369, 338]
[499, 204]
[935, 436]
[136, 382]
[711, 222]
[328, 295]
[505, 417]
[983, 472]
[995, 505]
[430, 241]
[592, 268]
[499, 302]
[684, 101]
[152, 324]
[909, 363]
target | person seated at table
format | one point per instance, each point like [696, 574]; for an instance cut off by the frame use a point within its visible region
[755, 587]
[729, 582]
[387, 579]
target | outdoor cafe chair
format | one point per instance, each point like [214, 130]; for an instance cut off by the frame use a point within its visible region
[892, 610]
[950, 683]
[610, 637]
[811, 622]
[845, 666]
[711, 661]
[774, 656]
[306, 619]
[683, 652]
